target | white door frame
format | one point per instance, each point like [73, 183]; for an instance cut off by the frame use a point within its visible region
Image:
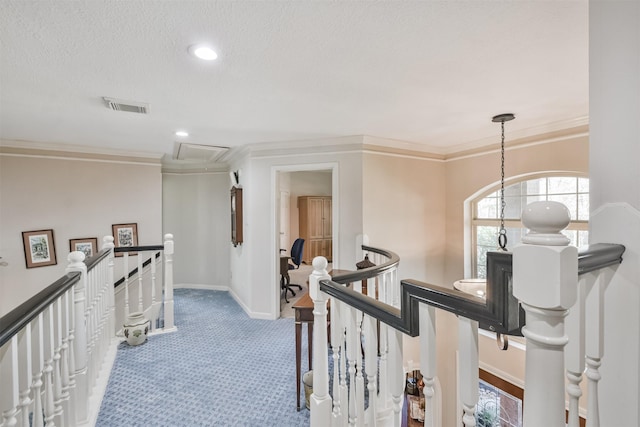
[275, 222]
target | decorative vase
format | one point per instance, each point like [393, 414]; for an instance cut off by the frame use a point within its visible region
[136, 328]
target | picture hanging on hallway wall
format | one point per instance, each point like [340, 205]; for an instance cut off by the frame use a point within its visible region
[88, 246]
[39, 248]
[125, 235]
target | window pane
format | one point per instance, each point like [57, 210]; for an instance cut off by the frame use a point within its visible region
[583, 185]
[560, 185]
[569, 200]
[487, 236]
[488, 208]
[514, 190]
[583, 238]
[513, 208]
[572, 235]
[535, 199]
[583, 207]
[536, 186]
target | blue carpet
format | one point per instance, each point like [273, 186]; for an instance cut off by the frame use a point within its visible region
[220, 369]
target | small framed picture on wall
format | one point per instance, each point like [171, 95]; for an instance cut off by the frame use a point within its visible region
[88, 246]
[125, 235]
[39, 248]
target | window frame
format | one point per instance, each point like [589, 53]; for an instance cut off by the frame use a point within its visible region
[474, 222]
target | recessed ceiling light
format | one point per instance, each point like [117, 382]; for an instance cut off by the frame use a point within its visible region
[182, 133]
[203, 52]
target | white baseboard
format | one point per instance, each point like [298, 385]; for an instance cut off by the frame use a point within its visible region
[200, 286]
[251, 314]
[97, 394]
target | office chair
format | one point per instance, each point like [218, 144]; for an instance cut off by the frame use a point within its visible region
[296, 258]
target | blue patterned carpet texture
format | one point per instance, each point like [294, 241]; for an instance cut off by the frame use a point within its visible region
[221, 368]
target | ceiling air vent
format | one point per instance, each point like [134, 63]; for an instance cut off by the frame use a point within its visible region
[128, 106]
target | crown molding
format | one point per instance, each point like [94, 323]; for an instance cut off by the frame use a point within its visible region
[75, 152]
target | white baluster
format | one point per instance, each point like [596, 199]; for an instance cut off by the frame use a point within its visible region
[73, 394]
[9, 389]
[37, 366]
[320, 400]
[574, 351]
[337, 341]
[80, 342]
[57, 358]
[545, 278]
[64, 356]
[352, 343]
[49, 354]
[359, 377]
[396, 373]
[107, 243]
[428, 359]
[153, 317]
[25, 374]
[140, 296]
[468, 362]
[168, 283]
[126, 285]
[371, 365]
[594, 345]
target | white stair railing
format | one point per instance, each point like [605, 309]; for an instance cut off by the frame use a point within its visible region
[52, 348]
[560, 290]
[57, 348]
[139, 289]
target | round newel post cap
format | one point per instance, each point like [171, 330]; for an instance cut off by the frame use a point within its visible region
[545, 221]
[76, 257]
[320, 263]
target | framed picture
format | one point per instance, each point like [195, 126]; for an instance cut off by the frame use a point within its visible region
[236, 216]
[88, 246]
[125, 235]
[39, 248]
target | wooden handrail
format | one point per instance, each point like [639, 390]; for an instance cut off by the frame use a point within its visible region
[500, 312]
[12, 322]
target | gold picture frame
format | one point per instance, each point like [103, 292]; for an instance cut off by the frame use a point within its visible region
[39, 248]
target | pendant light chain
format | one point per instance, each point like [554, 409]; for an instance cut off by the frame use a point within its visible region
[502, 236]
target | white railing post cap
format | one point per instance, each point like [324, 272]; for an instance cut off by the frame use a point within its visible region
[76, 257]
[545, 221]
[107, 242]
[545, 268]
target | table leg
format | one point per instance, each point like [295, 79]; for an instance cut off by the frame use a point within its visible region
[298, 333]
[310, 338]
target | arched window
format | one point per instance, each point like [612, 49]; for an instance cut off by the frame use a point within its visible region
[572, 191]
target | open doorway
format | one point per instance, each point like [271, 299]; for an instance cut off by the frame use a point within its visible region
[305, 211]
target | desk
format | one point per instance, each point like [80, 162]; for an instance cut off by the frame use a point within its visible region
[303, 310]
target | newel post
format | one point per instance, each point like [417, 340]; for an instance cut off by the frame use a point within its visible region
[80, 339]
[107, 243]
[320, 401]
[168, 283]
[545, 280]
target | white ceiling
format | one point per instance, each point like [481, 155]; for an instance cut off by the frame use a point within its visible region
[426, 72]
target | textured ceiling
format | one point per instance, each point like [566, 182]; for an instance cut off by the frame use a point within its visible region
[425, 72]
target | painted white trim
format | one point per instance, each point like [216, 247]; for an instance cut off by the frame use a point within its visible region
[82, 159]
[78, 149]
[100, 387]
[251, 314]
[274, 223]
[201, 286]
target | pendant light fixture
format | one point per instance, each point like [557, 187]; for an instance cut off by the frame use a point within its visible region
[502, 233]
[477, 287]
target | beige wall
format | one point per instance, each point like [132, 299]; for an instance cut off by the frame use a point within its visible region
[76, 198]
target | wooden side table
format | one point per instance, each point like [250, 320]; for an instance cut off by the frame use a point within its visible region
[303, 314]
